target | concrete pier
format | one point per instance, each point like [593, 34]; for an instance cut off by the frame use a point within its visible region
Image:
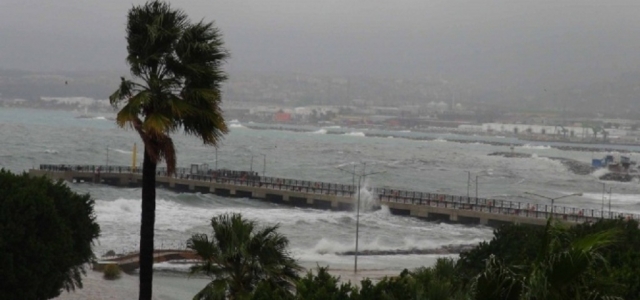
[322, 195]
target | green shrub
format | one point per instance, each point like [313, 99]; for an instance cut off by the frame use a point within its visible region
[111, 272]
[46, 237]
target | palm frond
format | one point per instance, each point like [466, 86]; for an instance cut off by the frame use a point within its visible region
[215, 290]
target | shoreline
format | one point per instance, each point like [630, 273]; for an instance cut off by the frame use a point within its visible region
[176, 285]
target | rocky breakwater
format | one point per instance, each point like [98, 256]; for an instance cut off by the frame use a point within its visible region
[577, 167]
[622, 177]
[444, 250]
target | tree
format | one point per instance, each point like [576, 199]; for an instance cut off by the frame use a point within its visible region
[565, 267]
[178, 69]
[238, 256]
[46, 234]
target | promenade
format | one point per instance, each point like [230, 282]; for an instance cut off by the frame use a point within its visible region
[334, 196]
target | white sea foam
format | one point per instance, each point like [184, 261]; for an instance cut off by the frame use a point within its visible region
[122, 151]
[236, 125]
[320, 131]
[51, 151]
[539, 147]
[615, 198]
[100, 118]
[355, 133]
[600, 172]
[440, 140]
[332, 127]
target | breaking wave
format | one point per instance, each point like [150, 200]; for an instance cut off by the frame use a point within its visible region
[355, 133]
[541, 147]
[320, 131]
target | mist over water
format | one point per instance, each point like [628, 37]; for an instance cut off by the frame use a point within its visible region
[32, 137]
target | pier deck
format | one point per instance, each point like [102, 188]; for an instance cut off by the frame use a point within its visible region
[430, 206]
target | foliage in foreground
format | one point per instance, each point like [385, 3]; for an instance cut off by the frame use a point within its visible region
[590, 261]
[587, 261]
[435, 283]
[46, 234]
[239, 256]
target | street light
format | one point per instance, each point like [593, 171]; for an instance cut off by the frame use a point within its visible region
[264, 164]
[216, 158]
[610, 202]
[602, 208]
[477, 176]
[553, 199]
[361, 176]
[468, 182]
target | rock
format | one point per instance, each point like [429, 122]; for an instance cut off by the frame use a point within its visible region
[511, 154]
[622, 177]
[447, 249]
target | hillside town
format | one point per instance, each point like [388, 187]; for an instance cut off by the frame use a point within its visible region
[430, 117]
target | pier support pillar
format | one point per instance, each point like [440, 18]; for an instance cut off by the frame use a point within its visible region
[310, 201]
[484, 221]
[453, 217]
[285, 198]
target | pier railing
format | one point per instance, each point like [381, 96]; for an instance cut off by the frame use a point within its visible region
[247, 178]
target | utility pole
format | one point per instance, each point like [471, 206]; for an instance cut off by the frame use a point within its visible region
[477, 186]
[468, 182]
[610, 202]
[107, 157]
[602, 208]
[353, 179]
[264, 164]
[216, 158]
[361, 177]
[251, 165]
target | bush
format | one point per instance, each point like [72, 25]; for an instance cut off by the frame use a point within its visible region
[111, 272]
[46, 234]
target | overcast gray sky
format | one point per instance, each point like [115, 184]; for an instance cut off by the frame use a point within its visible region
[497, 41]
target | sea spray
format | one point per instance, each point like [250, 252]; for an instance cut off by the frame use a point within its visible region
[355, 133]
[368, 201]
[320, 131]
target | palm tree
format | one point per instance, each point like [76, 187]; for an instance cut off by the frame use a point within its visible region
[563, 269]
[177, 66]
[239, 255]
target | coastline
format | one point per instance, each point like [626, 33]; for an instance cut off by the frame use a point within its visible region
[178, 285]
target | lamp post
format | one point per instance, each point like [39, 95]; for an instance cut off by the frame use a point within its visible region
[553, 199]
[477, 176]
[264, 164]
[468, 182]
[602, 207]
[107, 157]
[361, 177]
[610, 202]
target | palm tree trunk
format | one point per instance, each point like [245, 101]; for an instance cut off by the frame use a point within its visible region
[147, 226]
